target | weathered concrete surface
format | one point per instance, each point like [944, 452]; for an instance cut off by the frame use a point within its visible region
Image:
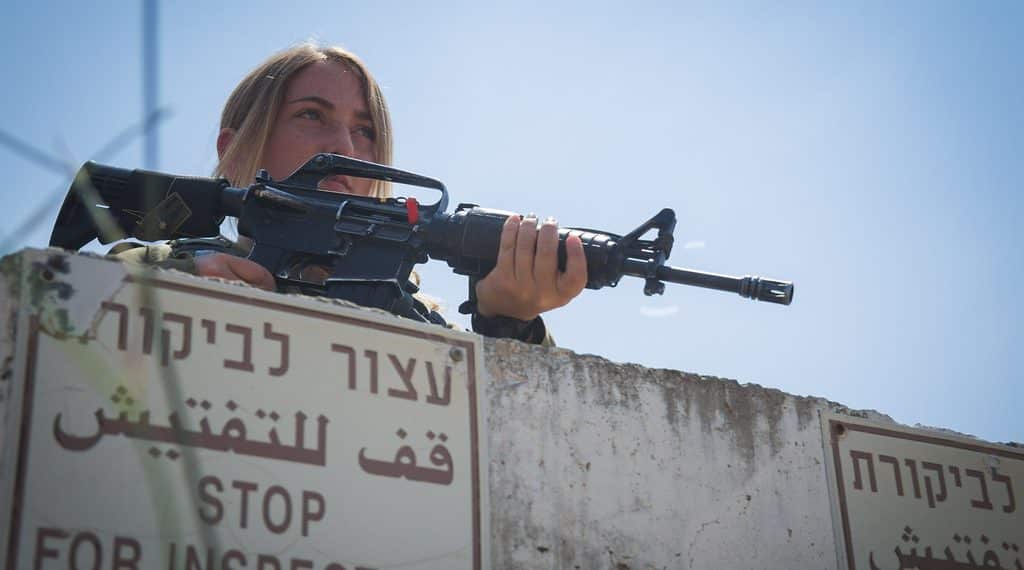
[10, 284]
[600, 465]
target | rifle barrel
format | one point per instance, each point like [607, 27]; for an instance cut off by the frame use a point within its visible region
[751, 287]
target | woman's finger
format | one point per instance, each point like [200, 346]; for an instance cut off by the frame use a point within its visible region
[526, 243]
[234, 268]
[507, 246]
[545, 266]
[252, 273]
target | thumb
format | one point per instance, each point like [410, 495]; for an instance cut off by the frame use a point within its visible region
[572, 281]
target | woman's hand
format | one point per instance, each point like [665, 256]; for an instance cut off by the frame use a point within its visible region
[526, 281]
[235, 268]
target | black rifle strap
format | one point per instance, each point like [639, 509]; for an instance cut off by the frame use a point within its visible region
[533, 332]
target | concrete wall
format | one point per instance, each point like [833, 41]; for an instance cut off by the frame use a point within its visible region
[600, 465]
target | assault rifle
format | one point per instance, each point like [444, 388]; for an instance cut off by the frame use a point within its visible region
[369, 245]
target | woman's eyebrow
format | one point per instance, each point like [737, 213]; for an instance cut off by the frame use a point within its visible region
[313, 98]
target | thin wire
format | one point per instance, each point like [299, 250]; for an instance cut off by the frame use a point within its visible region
[53, 198]
[31, 153]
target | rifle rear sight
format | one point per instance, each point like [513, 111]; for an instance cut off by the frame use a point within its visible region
[369, 245]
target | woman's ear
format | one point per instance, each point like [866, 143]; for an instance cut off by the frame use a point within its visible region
[224, 140]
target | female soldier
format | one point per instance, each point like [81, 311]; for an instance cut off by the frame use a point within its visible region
[310, 99]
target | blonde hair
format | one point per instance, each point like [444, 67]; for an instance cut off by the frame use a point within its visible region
[253, 105]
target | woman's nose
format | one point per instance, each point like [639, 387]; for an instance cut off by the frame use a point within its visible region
[341, 143]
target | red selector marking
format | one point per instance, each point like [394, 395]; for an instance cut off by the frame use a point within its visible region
[412, 208]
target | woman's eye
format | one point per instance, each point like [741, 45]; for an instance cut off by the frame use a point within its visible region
[367, 132]
[310, 114]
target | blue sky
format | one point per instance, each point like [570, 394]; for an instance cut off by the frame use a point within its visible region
[870, 152]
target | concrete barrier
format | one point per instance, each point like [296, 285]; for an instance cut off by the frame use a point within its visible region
[596, 465]
[602, 465]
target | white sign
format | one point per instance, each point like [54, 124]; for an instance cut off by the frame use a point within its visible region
[908, 498]
[168, 422]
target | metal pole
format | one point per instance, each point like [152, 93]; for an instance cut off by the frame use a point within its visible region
[150, 76]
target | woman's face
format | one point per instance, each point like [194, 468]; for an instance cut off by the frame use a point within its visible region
[324, 110]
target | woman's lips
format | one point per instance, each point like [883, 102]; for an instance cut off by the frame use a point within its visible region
[336, 184]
